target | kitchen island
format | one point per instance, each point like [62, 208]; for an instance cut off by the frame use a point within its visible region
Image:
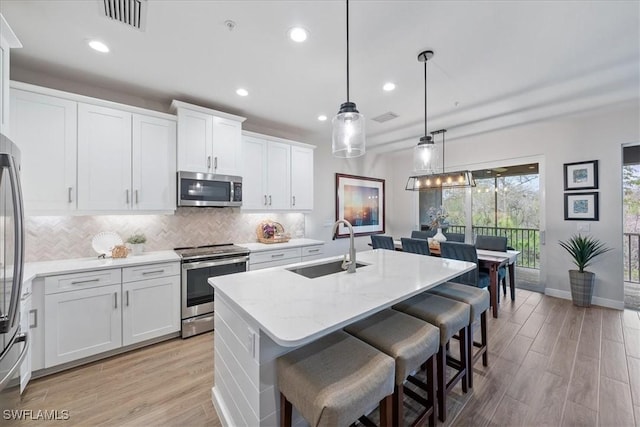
[260, 315]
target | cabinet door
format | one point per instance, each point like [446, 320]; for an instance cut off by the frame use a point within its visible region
[151, 308]
[25, 325]
[227, 146]
[104, 158]
[154, 163]
[45, 129]
[195, 139]
[278, 175]
[301, 178]
[254, 173]
[82, 323]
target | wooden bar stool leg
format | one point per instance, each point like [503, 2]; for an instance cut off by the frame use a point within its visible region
[431, 392]
[470, 355]
[463, 333]
[386, 405]
[483, 335]
[442, 383]
[285, 411]
[398, 407]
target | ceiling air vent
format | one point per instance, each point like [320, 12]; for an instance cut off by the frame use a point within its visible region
[129, 12]
[385, 117]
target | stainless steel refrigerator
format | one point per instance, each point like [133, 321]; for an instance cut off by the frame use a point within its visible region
[14, 343]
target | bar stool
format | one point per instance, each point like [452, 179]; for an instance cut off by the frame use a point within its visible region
[334, 381]
[411, 342]
[450, 317]
[479, 302]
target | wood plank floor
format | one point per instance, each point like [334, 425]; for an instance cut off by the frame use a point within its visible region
[550, 364]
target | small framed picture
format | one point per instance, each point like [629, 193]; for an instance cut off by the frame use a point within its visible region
[581, 206]
[581, 175]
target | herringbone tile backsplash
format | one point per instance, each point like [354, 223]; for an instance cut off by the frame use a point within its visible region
[62, 237]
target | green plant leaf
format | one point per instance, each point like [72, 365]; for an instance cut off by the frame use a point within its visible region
[583, 250]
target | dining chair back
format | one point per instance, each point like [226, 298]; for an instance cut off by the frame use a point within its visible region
[492, 243]
[464, 252]
[415, 234]
[416, 246]
[382, 242]
[454, 237]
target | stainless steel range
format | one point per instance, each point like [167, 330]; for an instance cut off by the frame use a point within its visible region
[198, 264]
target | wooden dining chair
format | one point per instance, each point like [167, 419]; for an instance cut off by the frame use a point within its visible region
[382, 242]
[416, 246]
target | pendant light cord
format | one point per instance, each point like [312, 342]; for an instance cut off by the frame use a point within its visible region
[347, 50]
[425, 97]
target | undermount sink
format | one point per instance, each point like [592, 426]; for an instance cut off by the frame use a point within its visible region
[319, 270]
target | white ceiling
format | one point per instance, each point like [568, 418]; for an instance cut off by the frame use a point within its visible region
[503, 62]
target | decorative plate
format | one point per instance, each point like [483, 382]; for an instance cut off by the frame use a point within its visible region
[104, 242]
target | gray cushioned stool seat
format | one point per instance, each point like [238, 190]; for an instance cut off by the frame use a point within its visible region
[448, 315]
[410, 341]
[477, 298]
[336, 379]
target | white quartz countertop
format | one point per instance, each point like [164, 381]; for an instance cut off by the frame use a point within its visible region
[294, 310]
[64, 266]
[293, 243]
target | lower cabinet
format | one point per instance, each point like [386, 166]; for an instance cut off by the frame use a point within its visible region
[279, 257]
[150, 309]
[89, 313]
[82, 323]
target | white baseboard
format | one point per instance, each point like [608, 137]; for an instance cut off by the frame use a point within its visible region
[602, 302]
[221, 409]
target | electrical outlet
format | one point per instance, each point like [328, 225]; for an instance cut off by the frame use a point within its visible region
[584, 226]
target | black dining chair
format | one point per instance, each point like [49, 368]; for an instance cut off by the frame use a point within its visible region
[382, 242]
[465, 252]
[454, 237]
[415, 234]
[499, 244]
[416, 246]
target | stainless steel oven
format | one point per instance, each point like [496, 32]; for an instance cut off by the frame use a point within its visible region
[198, 264]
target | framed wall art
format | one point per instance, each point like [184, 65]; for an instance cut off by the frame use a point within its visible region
[581, 175]
[581, 206]
[360, 200]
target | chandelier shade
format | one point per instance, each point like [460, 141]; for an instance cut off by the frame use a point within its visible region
[348, 135]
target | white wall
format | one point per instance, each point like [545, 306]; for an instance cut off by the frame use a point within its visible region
[594, 136]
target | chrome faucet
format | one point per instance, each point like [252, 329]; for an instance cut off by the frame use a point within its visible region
[350, 265]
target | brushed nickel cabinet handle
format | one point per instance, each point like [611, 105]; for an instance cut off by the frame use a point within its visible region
[265, 200]
[215, 162]
[269, 200]
[79, 282]
[294, 200]
[144, 273]
[127, 193]
[127, 295]
[136, 195]
[115, 299]
[70, 190]
[208, 162]
[35, 318]
[277, 255]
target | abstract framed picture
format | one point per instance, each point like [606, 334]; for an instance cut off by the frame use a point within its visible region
[581, 206]
[360, 200]
[581, 175]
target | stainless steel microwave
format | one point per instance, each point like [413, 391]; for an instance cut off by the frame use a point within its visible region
[209, 190]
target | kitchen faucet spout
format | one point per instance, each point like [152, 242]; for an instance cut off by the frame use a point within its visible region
[349, 265]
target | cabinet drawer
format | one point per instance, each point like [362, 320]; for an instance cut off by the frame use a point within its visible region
[143, 272]
[276, 255]
[85, 280]
[313, 250]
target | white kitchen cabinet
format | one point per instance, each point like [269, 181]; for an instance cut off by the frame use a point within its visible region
[301, 178]
[25, 326]
[151, 307]
[8, 41]
[104, 158]
[45, 129]
[82, 323]
[154, 163]
[271, 179]
[284, 255]
[310, 253]
[209, 141]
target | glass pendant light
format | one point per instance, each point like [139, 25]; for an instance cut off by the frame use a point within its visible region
[348, 125]
[425, 156]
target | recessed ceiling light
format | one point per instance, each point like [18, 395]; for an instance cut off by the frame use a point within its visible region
[242, 92]
[298, 34]
[322, 117]
[99, 46]
[388, 87]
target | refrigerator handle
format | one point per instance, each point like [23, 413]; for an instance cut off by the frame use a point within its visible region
[19, 338]
[6, 323]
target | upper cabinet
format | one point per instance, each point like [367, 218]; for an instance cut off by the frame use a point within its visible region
[209, 141]
[8, 40]
[45, 129]
[277, 174]
[82, 157]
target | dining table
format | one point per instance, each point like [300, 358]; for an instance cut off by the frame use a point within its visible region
[491, 260]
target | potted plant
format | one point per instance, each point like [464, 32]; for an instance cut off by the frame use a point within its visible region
[583, 250]
[136, 243]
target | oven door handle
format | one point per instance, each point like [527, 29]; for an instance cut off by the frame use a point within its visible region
[211, 263]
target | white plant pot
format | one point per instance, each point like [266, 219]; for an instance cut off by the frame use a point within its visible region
[136, 248]
[439, 236]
